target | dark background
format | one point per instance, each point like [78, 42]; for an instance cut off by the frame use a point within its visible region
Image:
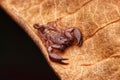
[20, 59]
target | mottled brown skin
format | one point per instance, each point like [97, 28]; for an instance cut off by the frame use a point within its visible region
[58, 39]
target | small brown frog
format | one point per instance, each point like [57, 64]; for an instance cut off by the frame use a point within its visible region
[58, 39]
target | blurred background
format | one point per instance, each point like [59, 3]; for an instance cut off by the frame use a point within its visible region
[20, 59]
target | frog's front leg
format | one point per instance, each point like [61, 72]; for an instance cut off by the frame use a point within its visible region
[54, 56]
